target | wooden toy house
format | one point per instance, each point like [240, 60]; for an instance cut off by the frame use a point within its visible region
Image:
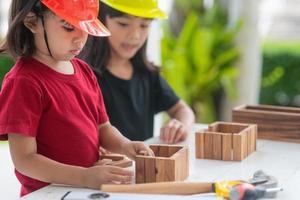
[171, 163]
[226, 141]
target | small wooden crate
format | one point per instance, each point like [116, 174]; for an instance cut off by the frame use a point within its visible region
[171, 163]
[226, 141]
[273, 122]
[117, 160]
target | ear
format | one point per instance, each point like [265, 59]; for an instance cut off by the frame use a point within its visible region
[31, 22]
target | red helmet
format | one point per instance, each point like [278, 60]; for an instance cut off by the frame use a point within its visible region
[83, 14]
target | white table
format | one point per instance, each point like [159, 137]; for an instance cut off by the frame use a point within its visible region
[280, 159]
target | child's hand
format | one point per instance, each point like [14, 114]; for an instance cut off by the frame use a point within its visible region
[134, 148]
[174, 131]
[95, 176]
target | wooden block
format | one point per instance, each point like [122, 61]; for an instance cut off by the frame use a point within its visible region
[216, 146]
[155, 150]
[208, 145]
[163, 151]
[117, 160]
[244, 144]
[171, 166]
[226, 146]
[165, 170]
[237, 147]
[112, 156]
[274, 122]
[199, 144]
[173, 150]
[140, 169]
[150, 170]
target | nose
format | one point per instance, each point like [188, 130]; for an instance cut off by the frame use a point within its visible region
[80, 37]
[135, 33]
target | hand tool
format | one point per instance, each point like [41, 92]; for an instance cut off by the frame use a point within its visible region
[246, 191]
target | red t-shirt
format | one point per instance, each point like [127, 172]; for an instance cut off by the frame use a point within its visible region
[61, 111]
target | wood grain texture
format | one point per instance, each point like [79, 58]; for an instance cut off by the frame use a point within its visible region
[199, 144]
[169, 164]
[273, 122]
[226, 141]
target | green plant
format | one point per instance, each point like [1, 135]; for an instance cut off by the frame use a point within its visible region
[198, 62]
[280, 84]
[5, 64]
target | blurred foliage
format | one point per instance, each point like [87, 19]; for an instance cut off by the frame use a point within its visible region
[5, 64]
[199, 55]
[280, 84]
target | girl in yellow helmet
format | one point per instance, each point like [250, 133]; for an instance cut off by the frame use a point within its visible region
[132, 87]
[51, 109]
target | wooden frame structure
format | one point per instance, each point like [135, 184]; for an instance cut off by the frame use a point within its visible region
[226, 141]
[171, 163]
[273, 122]
[117, 160]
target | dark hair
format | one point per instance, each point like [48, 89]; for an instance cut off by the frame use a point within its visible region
[97, 49]
[19, 41]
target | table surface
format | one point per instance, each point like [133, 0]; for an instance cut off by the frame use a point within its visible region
[279, 159]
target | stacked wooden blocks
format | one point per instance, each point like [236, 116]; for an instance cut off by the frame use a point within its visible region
[273, 122]
[226, 141]
[171, 163]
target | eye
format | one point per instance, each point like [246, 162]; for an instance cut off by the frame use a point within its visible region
[68, 27]
[123, 24]
[144, 25]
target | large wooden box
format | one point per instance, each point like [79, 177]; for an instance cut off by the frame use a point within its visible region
[226, 141]
[273, 122]
[171, 163]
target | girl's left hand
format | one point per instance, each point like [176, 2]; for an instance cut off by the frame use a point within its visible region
[173, 131]
[134, 148]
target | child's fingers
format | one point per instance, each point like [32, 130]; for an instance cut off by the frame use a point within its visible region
[120, 178]
[103, 162]
[120, 171]
[180, 135]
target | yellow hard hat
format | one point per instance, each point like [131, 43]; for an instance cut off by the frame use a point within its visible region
[140, 8]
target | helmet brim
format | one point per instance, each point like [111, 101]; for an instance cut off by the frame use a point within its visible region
[91, 27]
[153, 13]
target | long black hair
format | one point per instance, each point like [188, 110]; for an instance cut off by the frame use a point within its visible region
[19, 41]
[97, 49]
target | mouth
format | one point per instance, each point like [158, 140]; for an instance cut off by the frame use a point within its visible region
[130, 46]
[76, 51]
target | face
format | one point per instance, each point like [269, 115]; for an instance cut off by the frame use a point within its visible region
[65, 41]
[128, 34]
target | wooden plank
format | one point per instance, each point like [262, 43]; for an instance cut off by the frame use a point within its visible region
[140, 169]
[237, 147]
[154, 149]
[208, 145]
[226, 146]
[161, 171]
[274, 122]
[173, 150]
[183, 164]
[150, 171]
[216, 146]
[112, 156]
[163, 151]
[199, 144]
[244, 144]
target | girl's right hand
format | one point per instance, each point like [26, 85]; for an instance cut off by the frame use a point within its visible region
[95, 176]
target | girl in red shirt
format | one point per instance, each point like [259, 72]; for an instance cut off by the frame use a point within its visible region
[52, 110]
